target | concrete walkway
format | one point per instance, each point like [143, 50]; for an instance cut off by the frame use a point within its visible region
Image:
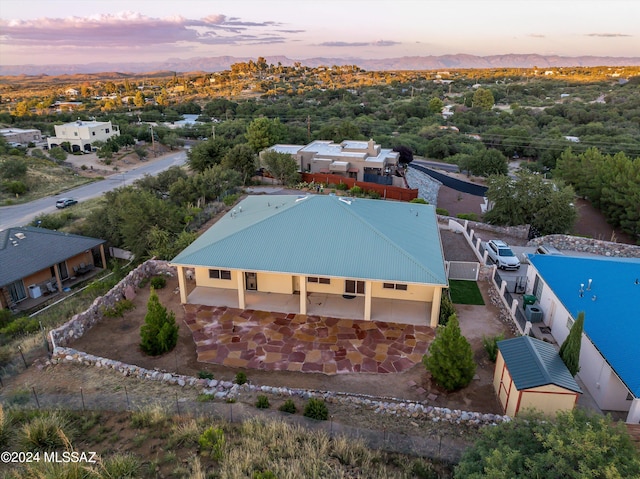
[294, 342]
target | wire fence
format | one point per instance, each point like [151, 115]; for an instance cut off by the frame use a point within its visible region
[438, 444]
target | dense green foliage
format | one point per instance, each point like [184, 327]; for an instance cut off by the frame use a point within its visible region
[316, 409]
[159, 333]
[574, 446]
[570, 348]
[530, 199]
[611, 183]
[450, 357]
[281, 166]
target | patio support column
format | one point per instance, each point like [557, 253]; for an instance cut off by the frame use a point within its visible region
[435, 306]
[367, 300]
[102, 257]
[303, 294]
[241, 301]
[58, 280]
[182, 284]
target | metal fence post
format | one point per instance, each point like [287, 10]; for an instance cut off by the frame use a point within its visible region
[35, 396]
[82, 397]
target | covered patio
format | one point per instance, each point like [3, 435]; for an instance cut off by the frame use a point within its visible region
[320, 304]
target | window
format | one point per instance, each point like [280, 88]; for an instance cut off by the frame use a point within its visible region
[354, 287]
[219, 274]
[106, 130]
[93, 133]
[537, 287]
[399, 287]
[314, 279]
[569, 322]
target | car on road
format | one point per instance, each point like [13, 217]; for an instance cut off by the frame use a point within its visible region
[64, 202]
[501, 255]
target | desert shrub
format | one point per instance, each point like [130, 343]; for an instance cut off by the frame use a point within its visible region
[119, 465]
[118, 309]
[342, 187]
[288, 406]
[46, 432]
[205, 375]
[442, 212]
[5, 317]
[184, 434]
[4, 429]
[229, 200]
[490, 345]
[212, 442]
[241, 378]
[24, 325]
[16, 187]
[374, 195]
[149, 416]
[356, 190]
[467, 216]
[158, 282]
[262, 402]
[204, 397]
[421, 201]
[159, 333]
[316, 409]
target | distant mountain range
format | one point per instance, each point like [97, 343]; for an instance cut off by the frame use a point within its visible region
[214, 64]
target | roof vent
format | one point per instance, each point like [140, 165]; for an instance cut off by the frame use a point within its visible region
[345, 200]
[302, 198]
[20, 235]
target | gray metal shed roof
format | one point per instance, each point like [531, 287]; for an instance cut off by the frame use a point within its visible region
[533, 363]
[26, 250]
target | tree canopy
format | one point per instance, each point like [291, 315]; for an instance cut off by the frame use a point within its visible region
[281, 166]
[575, 445]
[530, 199]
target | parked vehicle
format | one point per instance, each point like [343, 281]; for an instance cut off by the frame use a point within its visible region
[501, 255]
[64, 202]
[547, 249]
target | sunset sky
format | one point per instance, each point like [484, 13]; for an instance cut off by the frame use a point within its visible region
[82, 31]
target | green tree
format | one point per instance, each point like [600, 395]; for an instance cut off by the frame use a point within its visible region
[138, 99]
[281, 166]
[483, 99]
[242, 159]
[13, 168]
[57, 153]
[436, 105]
[159, 333]
[530, 199]
[207, 153]
[450, 357]
[489, 162]
[263, 133]
[575, 445]
[570, 349]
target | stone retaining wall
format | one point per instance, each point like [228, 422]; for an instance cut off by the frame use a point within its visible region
[226, 390]
[82, 322]
[588, 245]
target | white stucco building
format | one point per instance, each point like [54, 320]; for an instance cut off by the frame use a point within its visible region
[82, 134]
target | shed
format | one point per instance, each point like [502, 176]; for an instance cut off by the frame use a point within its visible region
[530, 374]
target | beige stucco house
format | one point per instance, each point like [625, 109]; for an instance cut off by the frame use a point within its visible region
[322, 255]
[82, 134]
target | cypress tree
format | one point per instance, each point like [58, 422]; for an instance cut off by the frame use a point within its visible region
[570, 349]
[159, 333]
[450, 357]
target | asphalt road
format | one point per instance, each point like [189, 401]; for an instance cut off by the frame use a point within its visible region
[21, 215]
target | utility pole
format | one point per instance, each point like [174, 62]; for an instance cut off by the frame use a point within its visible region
[153, 142]
[308, 128]
[213, 131]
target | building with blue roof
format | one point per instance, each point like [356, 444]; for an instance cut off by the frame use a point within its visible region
[530, 374]
[379, 255]
[608, 291]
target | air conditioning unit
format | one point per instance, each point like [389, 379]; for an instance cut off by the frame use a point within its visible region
[533, 313]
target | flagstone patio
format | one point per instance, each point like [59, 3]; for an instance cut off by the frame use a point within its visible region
[293, 342]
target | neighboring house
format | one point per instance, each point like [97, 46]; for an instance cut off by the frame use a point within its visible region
[608, 291]
[71, 92]
[38, 261]
[82, 134]
[24, 137]
[362, 160]
[530, 374]
[372, 259]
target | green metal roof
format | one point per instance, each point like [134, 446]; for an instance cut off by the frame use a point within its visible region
[534, 363]
[318, 235]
